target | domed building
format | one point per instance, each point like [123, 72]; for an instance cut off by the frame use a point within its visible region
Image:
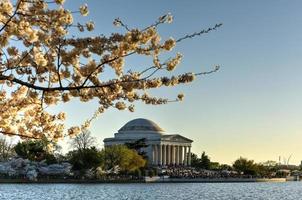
[163, 149]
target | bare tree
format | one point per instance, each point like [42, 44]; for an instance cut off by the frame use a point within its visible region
[83, 141]
[6, 149]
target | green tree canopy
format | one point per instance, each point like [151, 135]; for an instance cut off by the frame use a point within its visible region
[85, 159]
[245, 166]
[126, 159]
[194, 160]
[35, 150]
[138, 146]
[203, 162]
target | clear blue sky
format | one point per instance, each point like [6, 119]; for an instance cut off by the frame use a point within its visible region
[251, 107]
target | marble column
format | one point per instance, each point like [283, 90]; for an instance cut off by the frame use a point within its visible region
[181, 159]
[164, 155]
[173, 154]
[186, 156]
[189, 157]
[176, 155]
[159, 155]
[153, 154]
[168, 154]
[156, 154]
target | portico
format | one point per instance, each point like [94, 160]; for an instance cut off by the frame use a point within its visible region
[163, 149]
[171, 154]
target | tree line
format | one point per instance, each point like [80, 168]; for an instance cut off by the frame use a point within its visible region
[243, 166]
[84, 156]
[120, 159]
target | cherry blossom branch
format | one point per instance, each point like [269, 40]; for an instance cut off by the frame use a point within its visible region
[69, 88]
[20, 135]
[11, 17]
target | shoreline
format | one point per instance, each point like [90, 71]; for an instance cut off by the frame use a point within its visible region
[145, 180]
[225, 180]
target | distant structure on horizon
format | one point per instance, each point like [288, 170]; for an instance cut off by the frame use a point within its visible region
[163, 149]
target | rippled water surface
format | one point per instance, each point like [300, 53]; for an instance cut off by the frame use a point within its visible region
[158, 191]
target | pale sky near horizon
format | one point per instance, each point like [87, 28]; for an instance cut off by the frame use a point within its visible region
[251, 107]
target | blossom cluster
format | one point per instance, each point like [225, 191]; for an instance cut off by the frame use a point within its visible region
[41, 64]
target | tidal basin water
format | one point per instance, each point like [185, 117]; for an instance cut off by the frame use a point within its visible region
[158, 191]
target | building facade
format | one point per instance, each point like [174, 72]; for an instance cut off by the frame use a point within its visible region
[163, 149]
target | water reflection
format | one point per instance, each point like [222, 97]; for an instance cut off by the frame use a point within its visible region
[161, 191]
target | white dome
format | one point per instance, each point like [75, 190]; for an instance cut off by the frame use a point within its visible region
[141, 124]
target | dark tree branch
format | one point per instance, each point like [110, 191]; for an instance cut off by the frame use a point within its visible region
[20, 135]
[199, 33]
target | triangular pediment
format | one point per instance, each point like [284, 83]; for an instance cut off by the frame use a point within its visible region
[176, 138]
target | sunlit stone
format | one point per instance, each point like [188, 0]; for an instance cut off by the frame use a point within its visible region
[163, 149]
